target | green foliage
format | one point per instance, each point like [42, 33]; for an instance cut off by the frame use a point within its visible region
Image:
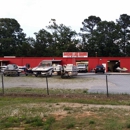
[69, 126]
[124, 24]
[105, 38]
[67, 108]
[63, 39]
[91, 122]
[36, 121]
[128, 126]
[10, 122]
[11, 37]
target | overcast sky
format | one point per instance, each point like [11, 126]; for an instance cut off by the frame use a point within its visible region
[34, 15]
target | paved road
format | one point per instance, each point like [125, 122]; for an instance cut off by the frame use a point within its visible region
[117, 83]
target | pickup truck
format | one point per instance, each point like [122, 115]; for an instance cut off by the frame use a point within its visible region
[82, 67]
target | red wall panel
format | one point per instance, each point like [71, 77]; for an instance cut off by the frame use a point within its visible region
[125, 62]
[92, 61]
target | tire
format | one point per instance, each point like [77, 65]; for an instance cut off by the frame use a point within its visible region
[18, 74]
[36, 75]
[59, 73]
[62, 75]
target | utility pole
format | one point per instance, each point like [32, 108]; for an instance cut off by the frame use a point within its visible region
[96, 54]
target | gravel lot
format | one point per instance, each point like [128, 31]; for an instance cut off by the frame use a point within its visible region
[53, 82]
[95, 83]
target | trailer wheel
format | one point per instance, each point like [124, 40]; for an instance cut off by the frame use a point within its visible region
[59, 73]
[36, 75]
[18, 74]
[62, 76]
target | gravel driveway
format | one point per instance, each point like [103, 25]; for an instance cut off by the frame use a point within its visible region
[94, 83]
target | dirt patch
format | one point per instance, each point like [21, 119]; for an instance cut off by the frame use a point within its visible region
[78, 110]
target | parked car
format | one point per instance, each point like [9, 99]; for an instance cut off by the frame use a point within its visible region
[11, 69]
[99, 68]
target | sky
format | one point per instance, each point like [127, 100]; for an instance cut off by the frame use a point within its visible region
[34, 15]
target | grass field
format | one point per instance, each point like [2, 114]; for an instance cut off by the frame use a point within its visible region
[63, 109]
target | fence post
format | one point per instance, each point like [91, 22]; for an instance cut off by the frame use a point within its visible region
[47, 85]
[107, 86]
[2, 83]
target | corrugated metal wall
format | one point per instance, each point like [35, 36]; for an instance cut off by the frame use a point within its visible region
[92, 61]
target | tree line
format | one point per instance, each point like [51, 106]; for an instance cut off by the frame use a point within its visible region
[97, 37]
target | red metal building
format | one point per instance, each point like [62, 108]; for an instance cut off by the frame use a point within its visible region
[108, 62]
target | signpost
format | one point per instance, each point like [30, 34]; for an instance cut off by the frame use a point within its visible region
[2, 83]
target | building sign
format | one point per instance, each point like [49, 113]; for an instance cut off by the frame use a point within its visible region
[75, 54]
[83, 54]
[67, 54]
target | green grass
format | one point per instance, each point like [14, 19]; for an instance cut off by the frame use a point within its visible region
[20, 90]
[59, 110]
[29, 122]
[62, 95]
[38, 115]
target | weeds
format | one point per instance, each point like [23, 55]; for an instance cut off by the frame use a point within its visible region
[67, 111]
